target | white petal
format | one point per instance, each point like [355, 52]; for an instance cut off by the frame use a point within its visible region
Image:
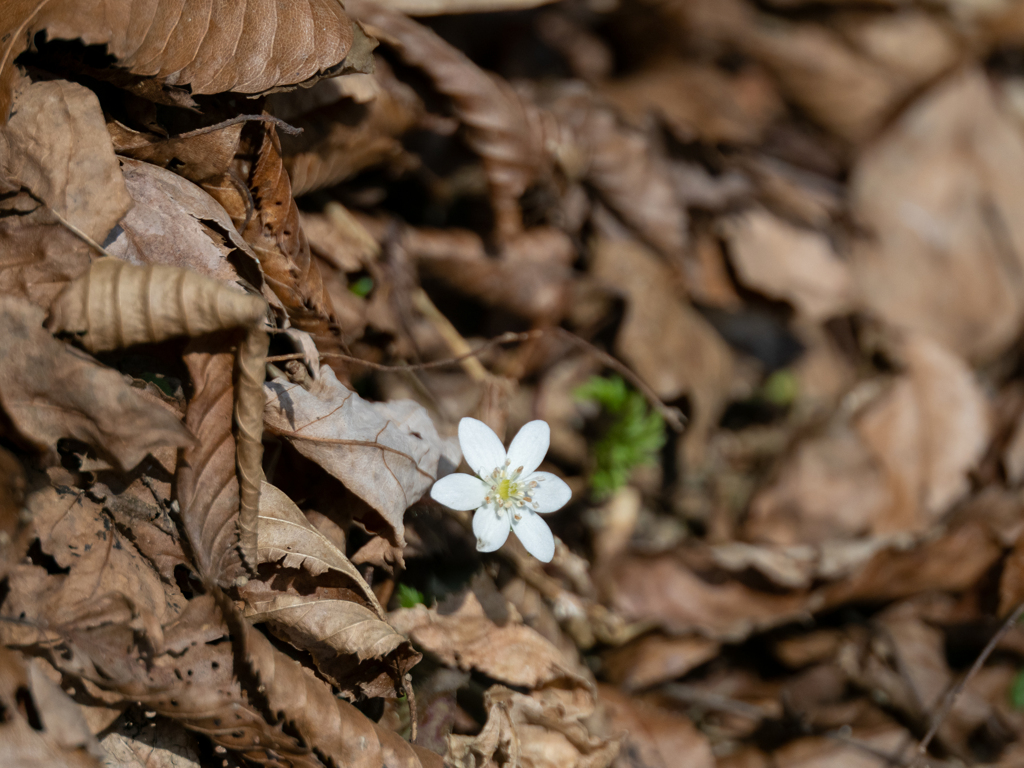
[535, 535]
[481, 448]
[529, 446]
[551, 492]
[490, 529]
[459, 491]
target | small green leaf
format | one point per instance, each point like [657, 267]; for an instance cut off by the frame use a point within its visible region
[633, 438]
[362, 286]
[781, 388]
[409, 596]
[1017, 691]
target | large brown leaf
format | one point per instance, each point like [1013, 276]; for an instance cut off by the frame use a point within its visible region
[385, 453]
[208, 47]
[50, 391]
[174, 222]
[56, 150]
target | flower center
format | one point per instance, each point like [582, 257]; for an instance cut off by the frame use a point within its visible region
[507, 494]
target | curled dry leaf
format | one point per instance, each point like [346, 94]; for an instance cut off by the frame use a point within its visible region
[54, 150]
[50, 391]
[385, 453]
[507, 132]
[666, 592]
[208, 490]
[654, 736]
[247, 47]
[274, 231]
[42, 726]
[116, 304]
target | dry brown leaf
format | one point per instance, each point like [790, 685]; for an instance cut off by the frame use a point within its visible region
[506, 131]
[287, 537]
[385, 453]
[50, 391]
[196, 158]
[354, 649]
[942, 200]
[840, 88]
[247, 47]
[654, 737]
[664, 339]
[208, 486]
[622, 165]
[460, 259]
[116, 304]
[334, 728]
[656, 659]
[140, 745]
[466, 638]
[53, 148]
[664, 591]
[543, 730]
[15, 533]
[176, 223]
[42, 727]
[344, 132]
[273, 229]
[928, 432]
[784, 262]
[699, 103]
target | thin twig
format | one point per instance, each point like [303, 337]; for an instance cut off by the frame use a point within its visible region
[69, 226]
[282, 126]
[955, 691]
[690, 694]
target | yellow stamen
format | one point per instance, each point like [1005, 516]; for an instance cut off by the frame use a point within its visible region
[503, 488]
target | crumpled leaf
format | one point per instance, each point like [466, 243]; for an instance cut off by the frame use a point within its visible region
[467, 639]
[247, 47]
[54, 147]
[544, 729]
[655, 736]
[42, 727]
[665, 340]
[50, 391]
[273, 229]
[385, 453]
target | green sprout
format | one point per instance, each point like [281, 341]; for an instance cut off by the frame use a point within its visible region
[409, 596]
[362, 286]
[633, 438]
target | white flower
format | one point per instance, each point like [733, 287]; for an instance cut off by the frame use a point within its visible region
[507, 493]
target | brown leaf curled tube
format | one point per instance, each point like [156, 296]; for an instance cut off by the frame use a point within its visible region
[116, 304]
